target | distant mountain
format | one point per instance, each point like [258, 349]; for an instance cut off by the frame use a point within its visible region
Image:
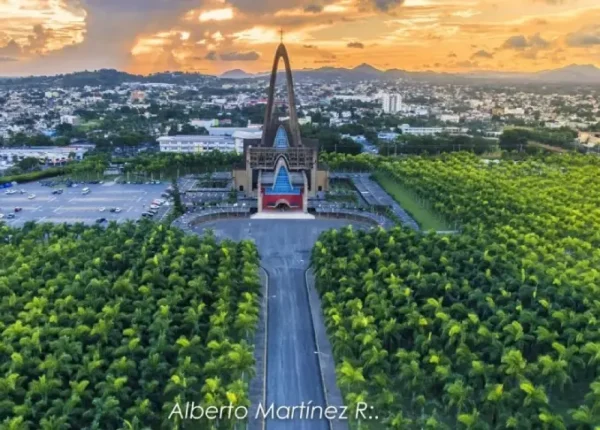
[575, 74]
[587, 73]
[106, 77]
[236, 74]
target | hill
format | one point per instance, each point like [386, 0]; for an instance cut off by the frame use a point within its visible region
[574, 74]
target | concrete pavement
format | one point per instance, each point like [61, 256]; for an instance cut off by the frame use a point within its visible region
[293, 368]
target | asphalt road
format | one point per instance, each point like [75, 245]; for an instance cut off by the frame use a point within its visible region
[293, 374]
[72, 206]
[373, 194]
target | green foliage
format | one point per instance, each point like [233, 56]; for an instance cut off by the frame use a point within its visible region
[178, 208]
[346, 162]
[497, 327]
[169, 164]
[409, 144]
[516, 139]
[107, 329]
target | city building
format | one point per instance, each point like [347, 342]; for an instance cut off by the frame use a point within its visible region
[281, 168]
[46, 154]
[589, 139]
[185, 144]
[430, 131]
[391, 103]
[454, 118]
[69, 119]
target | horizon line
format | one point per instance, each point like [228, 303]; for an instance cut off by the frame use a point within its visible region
[266, 72]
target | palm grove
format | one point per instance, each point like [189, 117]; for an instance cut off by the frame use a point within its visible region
[107, 329]
[497, 327]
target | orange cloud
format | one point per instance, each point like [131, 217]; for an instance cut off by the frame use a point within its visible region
[216, 35]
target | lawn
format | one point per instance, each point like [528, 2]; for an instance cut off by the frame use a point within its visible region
[424, 216]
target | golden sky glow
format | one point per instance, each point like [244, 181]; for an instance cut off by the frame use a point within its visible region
[212, 36]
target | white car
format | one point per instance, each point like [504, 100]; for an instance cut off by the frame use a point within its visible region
[154, 206]
[102, 209]
[117, 210]
[31, 196]
[1, 216]
[10, 192]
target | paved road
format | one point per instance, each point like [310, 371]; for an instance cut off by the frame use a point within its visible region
[373, 194]
[293, 374]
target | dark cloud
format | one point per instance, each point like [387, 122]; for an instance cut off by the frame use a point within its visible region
[536, 41]
[482, 53]
[588, 36]
[324, 61]
[313, 8]
[386, 5]
[211, 56]
[7, 59]
[11, 49]
[309, 46]
[515, 42]
[452, 55]
[267, 6]
[240, 56]
[521, 42]
[39, 39]
[355, 45]
[466, 64]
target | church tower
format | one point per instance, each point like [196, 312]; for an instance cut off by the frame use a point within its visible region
[281, 170]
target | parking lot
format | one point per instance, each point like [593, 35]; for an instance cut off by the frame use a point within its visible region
[72, 206]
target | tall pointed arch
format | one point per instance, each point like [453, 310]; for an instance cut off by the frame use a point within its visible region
[281, 138]
[269, 120]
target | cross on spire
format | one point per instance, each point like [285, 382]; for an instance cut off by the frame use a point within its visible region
[281, 35]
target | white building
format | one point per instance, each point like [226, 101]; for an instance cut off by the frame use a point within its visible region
[515, 111]
[48, 154]
[391, 103]
[206, 123]
[196, 144]
[240, 136]
[69, 119]
[445, 117]
[357, 97]
[430, 131]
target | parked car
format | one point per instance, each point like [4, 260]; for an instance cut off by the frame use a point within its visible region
[102, 209]
[57, 191]
[147, 214]
[10, 216]
[17, 209]
[10, 192]
[154, 206]
[153, 211]
[100, 220]
[86, 190]
[31, 196]
[118, 210]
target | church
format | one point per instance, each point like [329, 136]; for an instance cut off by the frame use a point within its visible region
[281, 168]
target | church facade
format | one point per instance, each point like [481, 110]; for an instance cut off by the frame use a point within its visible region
[281, 168]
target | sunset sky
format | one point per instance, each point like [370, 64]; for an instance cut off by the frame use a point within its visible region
[212, 36]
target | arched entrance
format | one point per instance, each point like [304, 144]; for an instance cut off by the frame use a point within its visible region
[282, 205]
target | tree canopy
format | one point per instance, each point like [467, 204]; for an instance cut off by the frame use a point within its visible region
[110, 328]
